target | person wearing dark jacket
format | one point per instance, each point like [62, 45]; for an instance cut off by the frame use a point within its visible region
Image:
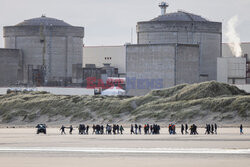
[241, 129]
[182, 129]
[62, 130]
[136, 127]
[186, 129]
[212, 129]
[94, 128]
[140, 129]
[132, 129]
[70, 129]
[121, 129]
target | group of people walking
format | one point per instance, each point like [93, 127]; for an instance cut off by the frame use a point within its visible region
[171, 129]
[192, 129]
[137, 129]
[114, 129]
[62, 129]
[184, 129]
[148, 129]
[211, 129]
[83, 129]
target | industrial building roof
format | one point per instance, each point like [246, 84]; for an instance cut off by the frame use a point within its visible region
[43, 21]
[180, 16]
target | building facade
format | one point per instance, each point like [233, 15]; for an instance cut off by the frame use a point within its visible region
[232, 70]
[50, 49]
[10, 67]
[186, 28]
[157, 66]
[245, 46]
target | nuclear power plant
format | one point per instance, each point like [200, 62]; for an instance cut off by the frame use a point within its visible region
[171, 49]
[48, 51]
[185, 28]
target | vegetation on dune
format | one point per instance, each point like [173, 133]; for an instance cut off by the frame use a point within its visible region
[183, 103]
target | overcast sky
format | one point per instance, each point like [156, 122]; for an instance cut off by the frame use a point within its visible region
[109, 22]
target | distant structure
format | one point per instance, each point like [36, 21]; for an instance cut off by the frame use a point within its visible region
[185, 28]
[234, 70]
[96, 73]
[99, 55]
[11, 67]
[163, 6]
[51, 52]
[171, 49]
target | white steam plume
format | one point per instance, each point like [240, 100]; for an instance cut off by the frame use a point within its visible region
[233, 37]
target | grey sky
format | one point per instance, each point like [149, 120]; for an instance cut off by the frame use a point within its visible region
[109, 22]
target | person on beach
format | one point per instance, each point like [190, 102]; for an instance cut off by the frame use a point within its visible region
[186, 129]
[170, 129]
[132, 129]
[70, 129]
[148, 128]
[101, 129]
[215, 128]
[121, 129]
[114, 129]
[87, 129]
[182, 129]
[145, 129]
[212, 129]
[93, 127]
[206, 128]
[241, 129]
[173, 129]
[62, 130]
[136, 127]
[118, 129]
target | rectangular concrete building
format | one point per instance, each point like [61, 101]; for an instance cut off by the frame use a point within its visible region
[231, 70]
[245, 46]
[11, 67]
[156, 66]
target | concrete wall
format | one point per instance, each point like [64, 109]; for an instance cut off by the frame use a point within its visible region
[206, 34]
[187, 64]
[222, 70]
[97, 54]
[10, 66]
[77, 74]
[63, 49]
[231, 70]
[160, 66]
[245, 46]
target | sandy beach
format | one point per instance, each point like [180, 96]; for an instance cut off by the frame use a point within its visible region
[23, 147]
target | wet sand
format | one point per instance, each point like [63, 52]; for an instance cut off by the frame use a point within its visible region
[22, 147]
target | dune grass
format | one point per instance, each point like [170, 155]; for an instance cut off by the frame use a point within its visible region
[222, 102]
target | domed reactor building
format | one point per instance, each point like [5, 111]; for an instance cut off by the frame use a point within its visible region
[49, 52]
[171, 49]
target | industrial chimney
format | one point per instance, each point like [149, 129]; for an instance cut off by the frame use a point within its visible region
[163, 6]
